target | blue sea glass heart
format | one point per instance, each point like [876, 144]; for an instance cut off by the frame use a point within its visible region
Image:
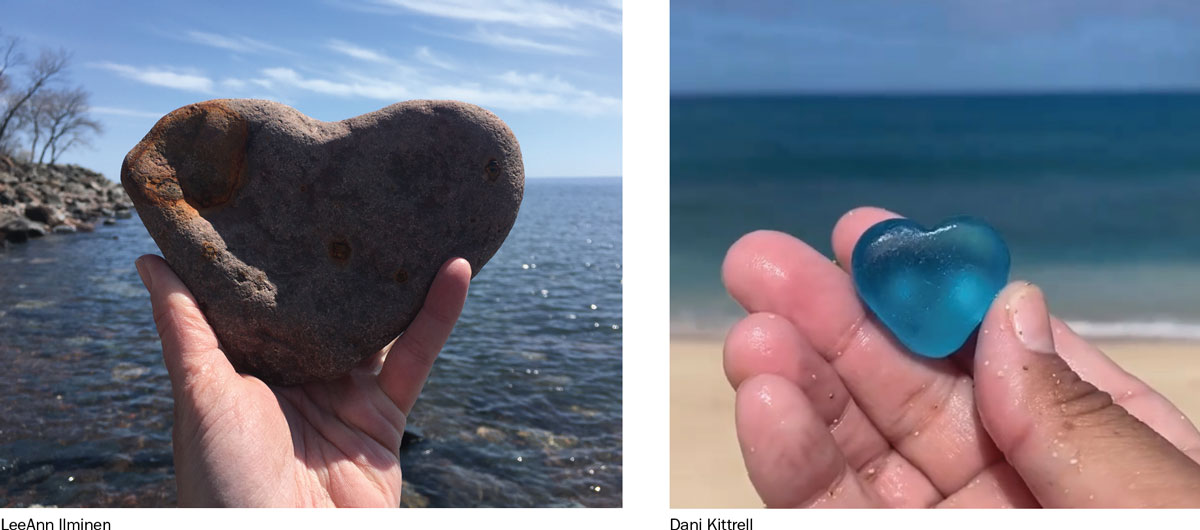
[931, 288]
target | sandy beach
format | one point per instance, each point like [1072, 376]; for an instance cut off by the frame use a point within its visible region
[706, 464]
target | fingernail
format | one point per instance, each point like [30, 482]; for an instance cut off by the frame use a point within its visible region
[1030, 319]
[142, 273]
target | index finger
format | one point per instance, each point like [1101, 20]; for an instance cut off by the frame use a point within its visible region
[191, 350]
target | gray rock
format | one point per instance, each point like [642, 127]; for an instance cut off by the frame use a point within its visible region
[310, 245]
[490, 434]
[46, 214]
[52, 196]
[411, 498]
[64, 229]
[22, 230]
[411, 436]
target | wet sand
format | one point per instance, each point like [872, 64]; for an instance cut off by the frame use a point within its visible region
[706, 463]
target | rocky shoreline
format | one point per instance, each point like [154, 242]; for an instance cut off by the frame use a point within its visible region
[39, 199]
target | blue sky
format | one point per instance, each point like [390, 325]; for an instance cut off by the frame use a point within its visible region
[550, 69]
[934, 45]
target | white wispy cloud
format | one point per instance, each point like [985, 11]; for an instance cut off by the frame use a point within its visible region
[361, 86]
[523, 13]
[515, 91]
[236, 43]
[358, 52]
[499, 40]
[572, 98]
[425, 55]
[168, 78]
[539, 81]
[373, 74]
[581, 102]
[118, 111]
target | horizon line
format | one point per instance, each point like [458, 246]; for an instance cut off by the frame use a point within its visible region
[573, 177]
[538, 177]
[766, 93]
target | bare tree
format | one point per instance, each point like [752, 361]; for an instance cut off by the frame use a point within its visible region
[65, 122]
[47, 67]
[32, 120]
[53, 120]
[10, 56]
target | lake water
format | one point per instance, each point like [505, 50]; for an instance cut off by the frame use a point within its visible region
[523, 407]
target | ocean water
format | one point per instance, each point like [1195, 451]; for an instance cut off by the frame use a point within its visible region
[523, 407]
[1098, 196]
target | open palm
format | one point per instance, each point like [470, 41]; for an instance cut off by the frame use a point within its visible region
[832, 411]
[241, 442]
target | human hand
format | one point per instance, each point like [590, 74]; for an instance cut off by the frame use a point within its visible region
[241, 442]
[833, 412]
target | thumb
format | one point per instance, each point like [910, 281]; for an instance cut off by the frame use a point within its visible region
[1067, 439]
[190, 348]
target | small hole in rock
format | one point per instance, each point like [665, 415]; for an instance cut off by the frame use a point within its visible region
[339, 250]
[493, 169]
[401, 276]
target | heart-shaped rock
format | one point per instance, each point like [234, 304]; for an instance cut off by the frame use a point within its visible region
[931, 288]
[310, 245]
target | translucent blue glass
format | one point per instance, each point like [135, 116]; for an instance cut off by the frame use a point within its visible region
[931, 288]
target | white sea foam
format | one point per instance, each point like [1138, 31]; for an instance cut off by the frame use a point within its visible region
[1145, 329]
[715, 326]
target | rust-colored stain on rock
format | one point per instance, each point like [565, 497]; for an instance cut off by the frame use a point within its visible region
[290, 232]
[196, 155]
[209, 251]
